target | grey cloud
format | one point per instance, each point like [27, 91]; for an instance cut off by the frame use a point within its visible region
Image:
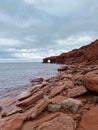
[40, 24]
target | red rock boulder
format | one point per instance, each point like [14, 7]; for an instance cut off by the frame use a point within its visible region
[90, 120]
[90, 81]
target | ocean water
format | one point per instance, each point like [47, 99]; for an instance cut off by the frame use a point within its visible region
[13, 75]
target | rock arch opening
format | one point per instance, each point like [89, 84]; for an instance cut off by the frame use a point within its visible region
[48, 61]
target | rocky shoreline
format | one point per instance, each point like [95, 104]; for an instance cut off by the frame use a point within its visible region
[68, 101]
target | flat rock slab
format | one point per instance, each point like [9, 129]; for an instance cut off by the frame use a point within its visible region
[30, 125]
[7, 101]
[57, 99]
[90, 120]
[14, 122]
[36, 111]
[69, 84]
[56, 90]
[24, 95]
[37, 80]
[30, 100]
[59, 123]
[76, 92]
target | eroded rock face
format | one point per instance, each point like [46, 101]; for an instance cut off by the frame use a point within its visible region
[71, 105]
[87, 54]
[90, 120]
[90, 81]
[59, 123]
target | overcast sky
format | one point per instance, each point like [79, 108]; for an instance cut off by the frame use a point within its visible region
[33, 29]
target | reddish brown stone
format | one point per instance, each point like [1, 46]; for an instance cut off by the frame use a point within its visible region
[56, 90]
[62, 122]
[87, 54]
[58, 99]
[90, 81]
[76, 92]
[7, 101]
[14, 122]
[24, 95]
[90, 120]
[38, 109]
[30, 125]
[69, 84]
[30, 100]
[68, 76]
[46, 89]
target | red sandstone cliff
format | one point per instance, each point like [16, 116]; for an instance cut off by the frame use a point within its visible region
[86, 54]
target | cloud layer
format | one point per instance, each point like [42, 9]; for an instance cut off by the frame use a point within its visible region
[33, 29]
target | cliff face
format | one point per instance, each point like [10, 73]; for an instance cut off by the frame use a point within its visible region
[86, 54]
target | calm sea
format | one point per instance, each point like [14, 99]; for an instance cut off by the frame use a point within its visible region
[13, 75]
